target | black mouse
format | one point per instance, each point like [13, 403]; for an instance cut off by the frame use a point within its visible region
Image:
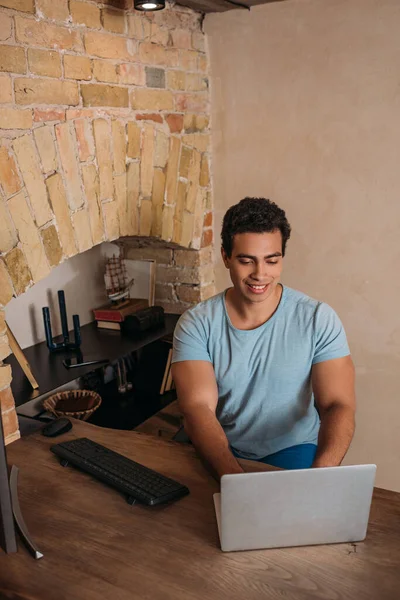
[57, 427]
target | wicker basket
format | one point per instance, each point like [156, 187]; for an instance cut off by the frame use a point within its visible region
[79, 404]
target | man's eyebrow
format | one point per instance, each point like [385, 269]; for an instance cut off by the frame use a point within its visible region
[275, 254]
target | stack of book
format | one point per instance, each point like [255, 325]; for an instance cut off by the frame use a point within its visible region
[112, 315]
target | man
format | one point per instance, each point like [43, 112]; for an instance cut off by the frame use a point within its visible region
[262, 371]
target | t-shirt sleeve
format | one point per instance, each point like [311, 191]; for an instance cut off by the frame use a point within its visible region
[330, 337]
[190, 340]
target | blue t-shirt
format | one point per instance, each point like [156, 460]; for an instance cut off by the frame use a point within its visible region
[265, 399]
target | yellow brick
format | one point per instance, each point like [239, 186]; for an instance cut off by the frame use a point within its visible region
[187, 229]
[146, 163]
[22, 5]
[172, 170]
[132, 198]
[154, 54]
[46, 35]
[193, 179]
[104, 95]
[186, 158]
[105, 71]
[106, 45]
[167, 223]
[92, 191]
[8, 239]
[204, 172]
[44, 62]
[139, 27]
[59, 204]
[84, 138]
[77, 67]
[9, 179]
[66, 146]
[152, 99]
[158, 35]
[133, 140]
[181, 38]
[45, 91]
[198, 218]
[5, 27]
[56, 10]
[113, 20]
[5, 89]
[110, 212]
[161, 149]
[11, 118]
[158, 201]
[83, 13]
[46, 147]
[28, 162]
[81, 225]
[198, 41]
[176, 80]
[28, 235]
[104, 162]
[18, 270]
[6, 292]
[119, 146]
[145, 217]
[12, 59]
[202, 63]
[121, 200]
[195, 82]
[188, 60]
[51, 245]
[199, 141]
[132, 74]
[178, 214]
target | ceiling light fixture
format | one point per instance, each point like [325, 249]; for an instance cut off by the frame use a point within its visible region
[146, 5]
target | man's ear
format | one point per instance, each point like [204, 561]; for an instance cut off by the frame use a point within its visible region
[225, 258]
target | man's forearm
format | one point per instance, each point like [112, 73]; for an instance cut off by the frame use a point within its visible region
[335, 435]
[210, 441]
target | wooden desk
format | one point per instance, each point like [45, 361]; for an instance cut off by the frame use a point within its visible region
[98, 547]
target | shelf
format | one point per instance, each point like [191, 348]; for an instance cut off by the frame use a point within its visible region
[48, 368]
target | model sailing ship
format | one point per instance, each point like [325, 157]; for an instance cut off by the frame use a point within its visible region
[116, 279]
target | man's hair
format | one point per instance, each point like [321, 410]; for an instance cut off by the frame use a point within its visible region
[253, 215]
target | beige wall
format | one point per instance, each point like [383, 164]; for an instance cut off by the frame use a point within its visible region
[306, 111]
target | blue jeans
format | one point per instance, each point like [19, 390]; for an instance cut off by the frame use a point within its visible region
[295, 457]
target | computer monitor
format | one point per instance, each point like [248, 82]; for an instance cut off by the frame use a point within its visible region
[7, 530]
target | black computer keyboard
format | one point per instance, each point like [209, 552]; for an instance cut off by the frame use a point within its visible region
[138, 482]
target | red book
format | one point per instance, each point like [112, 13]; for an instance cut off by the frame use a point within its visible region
[117, 313]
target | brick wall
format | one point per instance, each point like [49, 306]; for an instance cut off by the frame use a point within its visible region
[104, 118]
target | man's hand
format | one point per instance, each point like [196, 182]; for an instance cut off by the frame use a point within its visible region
[333, 386]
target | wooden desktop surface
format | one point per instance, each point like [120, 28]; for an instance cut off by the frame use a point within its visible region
[96, 546]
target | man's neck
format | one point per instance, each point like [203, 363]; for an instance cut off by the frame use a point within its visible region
[250, 315]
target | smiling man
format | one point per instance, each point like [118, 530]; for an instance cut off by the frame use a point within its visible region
[263, 371]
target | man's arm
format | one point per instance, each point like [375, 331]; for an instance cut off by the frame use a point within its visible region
[197, 397]
[333, 386]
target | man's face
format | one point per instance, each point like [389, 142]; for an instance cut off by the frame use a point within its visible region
[255, 265]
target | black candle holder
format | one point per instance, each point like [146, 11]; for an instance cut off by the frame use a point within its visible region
[66, 344]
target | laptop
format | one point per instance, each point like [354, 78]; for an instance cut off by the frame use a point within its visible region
[276, 509]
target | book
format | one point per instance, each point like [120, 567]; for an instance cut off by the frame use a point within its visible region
[166, 372]
[142, 274]
[118, 312]
[109, 325]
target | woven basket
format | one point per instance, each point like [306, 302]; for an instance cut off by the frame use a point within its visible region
[79, 404]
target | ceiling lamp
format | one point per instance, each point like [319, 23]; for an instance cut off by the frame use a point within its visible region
[149, 4]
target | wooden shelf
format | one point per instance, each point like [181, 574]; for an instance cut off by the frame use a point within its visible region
[48, 367]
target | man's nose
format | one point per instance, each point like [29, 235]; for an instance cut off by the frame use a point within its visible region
[259, 271]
